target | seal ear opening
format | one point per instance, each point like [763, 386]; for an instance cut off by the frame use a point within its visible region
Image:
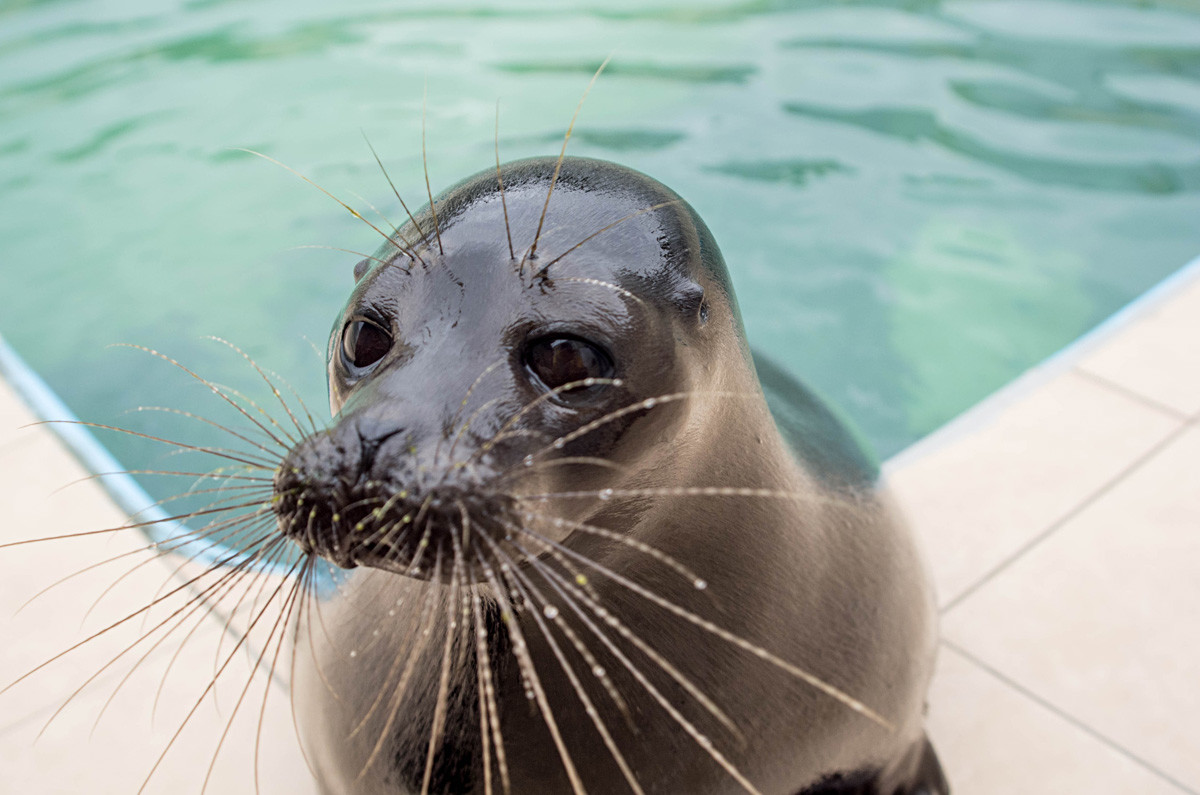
[360, 269]
[691, 301]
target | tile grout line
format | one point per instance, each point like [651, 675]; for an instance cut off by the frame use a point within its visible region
[1079, 508]
[1145, 400]
[1076, 722]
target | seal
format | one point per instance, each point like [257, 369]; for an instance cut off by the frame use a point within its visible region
[578, 545]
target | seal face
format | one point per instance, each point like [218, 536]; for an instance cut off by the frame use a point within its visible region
[578, 553]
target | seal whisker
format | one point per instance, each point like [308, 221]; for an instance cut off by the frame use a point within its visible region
[212, 683]
[249, 459]
[407, 248]
[462, 406]
[702, 740]
[285, 610]
[437, 230]
[542, 271]
[576, 592]
[390, 534]
[242, 491]
[194, 605]
[274, 389]
[531, 594]
[590, 660]
[532, 253]
[220, 392]
[466, 425]
[599, 283]
[271, 555]
[127, 618]
[641, 405]
[235, 526]
[500, 182]
[488, 708]
[315, 609]
[217, 474]
[345, 206]
[192, 602]
[621, 538]
[713, 629]
[308, 600]
[437, 730]
[160, 549]
[360, 254]
[130, 526]
[392, 185]
[583, 383]
[526, 664]
[291, 440]
[693, 491]
[299, 591]
[421, 635]
[423, 544]
[528, 465]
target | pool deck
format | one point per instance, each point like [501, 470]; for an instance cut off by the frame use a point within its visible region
[1060, 520]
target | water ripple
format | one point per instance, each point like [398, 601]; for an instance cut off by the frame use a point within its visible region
[921, 124]
[682, 73]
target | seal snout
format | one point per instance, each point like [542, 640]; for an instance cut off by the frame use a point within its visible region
[357, 495]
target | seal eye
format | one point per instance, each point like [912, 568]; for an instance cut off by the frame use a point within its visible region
[364, 343]
[561, 360]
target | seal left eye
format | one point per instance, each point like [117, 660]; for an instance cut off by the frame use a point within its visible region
[364, 343]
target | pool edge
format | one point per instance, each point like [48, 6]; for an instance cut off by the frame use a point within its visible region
[979, 414]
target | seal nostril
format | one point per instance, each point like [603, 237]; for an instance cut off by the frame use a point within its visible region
[371, 436]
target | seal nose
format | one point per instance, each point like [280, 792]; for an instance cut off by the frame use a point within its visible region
[372, 433]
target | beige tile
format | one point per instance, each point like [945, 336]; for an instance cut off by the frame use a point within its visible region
[100, 746]
[14, 418]
[1100, 619]
[1158, 356]
[980, 499]
[992, 740]
[70, 758]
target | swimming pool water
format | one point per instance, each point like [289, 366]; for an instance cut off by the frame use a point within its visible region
[917, 200]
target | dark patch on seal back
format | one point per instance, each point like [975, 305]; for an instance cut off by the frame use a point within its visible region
[814, 432]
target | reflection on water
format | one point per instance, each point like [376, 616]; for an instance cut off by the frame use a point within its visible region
[918, 200]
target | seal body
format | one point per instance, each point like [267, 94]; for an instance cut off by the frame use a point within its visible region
[576, 550]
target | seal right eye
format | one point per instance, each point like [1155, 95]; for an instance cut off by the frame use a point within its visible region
[364, 343]
[562, 360]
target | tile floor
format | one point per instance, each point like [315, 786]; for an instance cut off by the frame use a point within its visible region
[1061, 526]
[1060, 523]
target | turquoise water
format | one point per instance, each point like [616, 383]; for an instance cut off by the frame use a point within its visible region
[917, 200]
